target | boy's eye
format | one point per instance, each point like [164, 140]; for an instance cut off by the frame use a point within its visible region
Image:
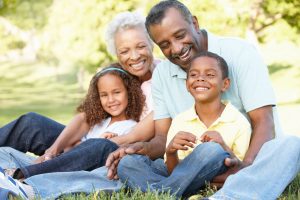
[210, 75]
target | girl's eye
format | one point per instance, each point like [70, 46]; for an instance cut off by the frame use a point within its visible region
[193, 74]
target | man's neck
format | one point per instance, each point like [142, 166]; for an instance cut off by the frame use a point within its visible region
[203, 40]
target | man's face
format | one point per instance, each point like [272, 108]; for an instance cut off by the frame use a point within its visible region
[178, 39]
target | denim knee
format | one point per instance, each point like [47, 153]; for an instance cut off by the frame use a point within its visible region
[128, 163]
[210, 150]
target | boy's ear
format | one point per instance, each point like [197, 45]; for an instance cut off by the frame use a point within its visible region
[226, 84]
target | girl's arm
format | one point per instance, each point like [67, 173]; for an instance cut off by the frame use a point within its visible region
[71, 134]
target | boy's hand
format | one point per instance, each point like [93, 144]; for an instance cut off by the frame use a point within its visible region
[212, 136]
[108, 135]
[181, 141]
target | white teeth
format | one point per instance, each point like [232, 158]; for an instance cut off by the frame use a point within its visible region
[138, 65]
[201, 88]
[183, 57]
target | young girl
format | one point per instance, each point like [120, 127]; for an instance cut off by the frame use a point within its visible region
[112, 106]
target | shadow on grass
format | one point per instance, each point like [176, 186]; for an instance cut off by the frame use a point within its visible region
[276, 67]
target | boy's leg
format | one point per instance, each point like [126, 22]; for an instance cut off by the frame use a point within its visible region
[30, 132]
[53, 185]
[276, 165]
[11, 158]
[88, 155]
[139, 171]
[201, 166]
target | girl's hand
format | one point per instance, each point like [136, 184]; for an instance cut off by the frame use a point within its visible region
[212, 136]
[108, 135]
[181, 141]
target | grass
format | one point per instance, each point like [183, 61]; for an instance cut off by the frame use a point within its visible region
[34, 87]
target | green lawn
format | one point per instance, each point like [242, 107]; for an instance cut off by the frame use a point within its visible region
[34, 87]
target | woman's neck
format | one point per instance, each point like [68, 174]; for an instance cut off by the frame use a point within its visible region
[146, 77]
[209, 112]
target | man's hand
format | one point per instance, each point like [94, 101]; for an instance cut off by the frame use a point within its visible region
[108, 135]
[181, 141]
[114, 158]
[234, 165]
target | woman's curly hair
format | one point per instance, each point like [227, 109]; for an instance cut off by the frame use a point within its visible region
[91, 104]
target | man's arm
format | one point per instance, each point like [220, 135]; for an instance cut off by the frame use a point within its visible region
[143, 131]
[155, 148]
[262, 131]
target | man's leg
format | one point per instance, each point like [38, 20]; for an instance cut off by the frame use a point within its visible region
[205, 162]
[30, 132]
[276, 165]
[88, 155]
[11, 158]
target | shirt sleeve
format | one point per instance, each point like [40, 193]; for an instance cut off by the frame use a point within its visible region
[241, 141]
[253, 82]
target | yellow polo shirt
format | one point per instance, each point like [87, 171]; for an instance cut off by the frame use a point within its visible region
[232, 125]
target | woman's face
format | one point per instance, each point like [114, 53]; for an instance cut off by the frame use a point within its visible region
[134, 51]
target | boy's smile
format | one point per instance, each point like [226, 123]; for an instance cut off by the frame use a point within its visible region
[205, 81]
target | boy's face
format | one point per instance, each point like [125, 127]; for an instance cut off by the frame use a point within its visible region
[205, 81]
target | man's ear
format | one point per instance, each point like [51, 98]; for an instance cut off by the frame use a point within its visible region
[195, 23]
[226, 84]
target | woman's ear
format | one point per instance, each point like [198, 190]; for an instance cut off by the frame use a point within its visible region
[226, 84]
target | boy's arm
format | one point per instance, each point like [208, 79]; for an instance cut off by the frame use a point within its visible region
[181, 141]
[71, 134]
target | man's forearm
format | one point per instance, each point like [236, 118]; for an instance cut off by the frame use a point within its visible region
[262, 131]
[155, 148]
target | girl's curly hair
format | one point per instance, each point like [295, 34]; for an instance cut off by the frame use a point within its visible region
[91, 104]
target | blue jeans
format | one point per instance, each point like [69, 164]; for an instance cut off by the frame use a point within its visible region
[88, 155]
[276, 165]
[30, 133]
[201, 166]
[53, 185]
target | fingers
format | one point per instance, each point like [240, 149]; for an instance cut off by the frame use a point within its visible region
[132, 149]
[232, 162]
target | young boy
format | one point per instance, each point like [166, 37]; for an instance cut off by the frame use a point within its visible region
[210, 119]
[221, 128]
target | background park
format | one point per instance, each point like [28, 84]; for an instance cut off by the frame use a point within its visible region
[49, 49]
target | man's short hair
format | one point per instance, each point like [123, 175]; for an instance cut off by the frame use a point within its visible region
[221, 62]
[157, 12]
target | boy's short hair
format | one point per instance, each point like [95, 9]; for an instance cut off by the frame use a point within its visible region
[221, 62]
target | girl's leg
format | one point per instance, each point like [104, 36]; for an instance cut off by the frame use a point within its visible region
[88, 155]
[30, 132]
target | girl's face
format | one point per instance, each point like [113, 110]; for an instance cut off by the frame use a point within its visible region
[134, 52]
[113, 96]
